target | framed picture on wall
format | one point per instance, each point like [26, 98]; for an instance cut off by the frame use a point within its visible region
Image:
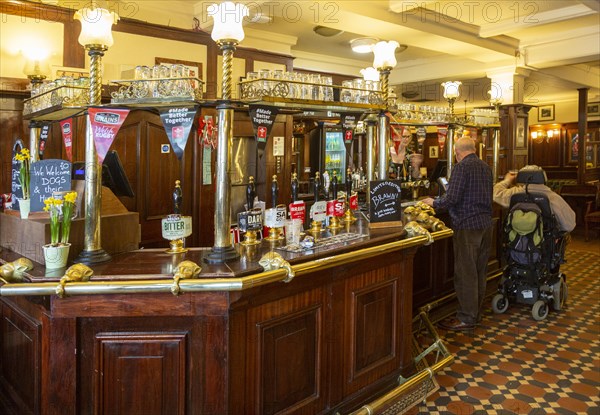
[546, 113]
[593, 109]
[573, 147]
[520, 133]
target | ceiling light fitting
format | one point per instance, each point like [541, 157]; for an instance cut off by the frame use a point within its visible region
[363, 44]
[326, 31]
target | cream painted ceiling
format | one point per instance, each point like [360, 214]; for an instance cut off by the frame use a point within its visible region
[556, 43]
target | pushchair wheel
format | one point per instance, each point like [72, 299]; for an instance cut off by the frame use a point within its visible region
[560, 293]
[539, 311]
[499, 304]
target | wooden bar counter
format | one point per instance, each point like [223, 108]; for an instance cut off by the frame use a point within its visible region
[236, 340]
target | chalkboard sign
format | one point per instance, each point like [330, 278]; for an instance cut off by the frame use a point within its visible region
[48, 176]
[384, 202]
[16, 190]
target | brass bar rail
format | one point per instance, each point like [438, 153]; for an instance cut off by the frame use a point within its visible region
[209, 284]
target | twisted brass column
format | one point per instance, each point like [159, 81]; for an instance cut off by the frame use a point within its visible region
[92, 251]
[222, 249]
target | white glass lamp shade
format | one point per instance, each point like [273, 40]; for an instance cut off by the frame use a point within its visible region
[495, 94]
[227, 18]
[385, 54]
[36, 67]
[96, 26]
[451, 89]
[370, 74]
[534, 135]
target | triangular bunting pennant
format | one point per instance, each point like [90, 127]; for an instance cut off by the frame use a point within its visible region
[105, 126]
[178, 124]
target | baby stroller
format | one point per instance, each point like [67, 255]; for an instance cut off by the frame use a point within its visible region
[534, 249]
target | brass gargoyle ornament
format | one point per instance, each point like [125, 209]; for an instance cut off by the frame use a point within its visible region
[13, 271]
[185, 270]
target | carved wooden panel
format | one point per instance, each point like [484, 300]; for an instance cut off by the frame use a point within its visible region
[374, 326]
[20, 346]
[285, 361]
[290, 353]
[129, 366]
[371, 318]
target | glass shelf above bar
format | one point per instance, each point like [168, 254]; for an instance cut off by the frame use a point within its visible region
[153, 91]
[310, 105]
[54, 98]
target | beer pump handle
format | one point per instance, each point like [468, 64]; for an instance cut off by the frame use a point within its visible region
[348, 183]
[294, 187]
[317, 186]
[334, 186]
[250, 193]
[274, 191]
[177, 198]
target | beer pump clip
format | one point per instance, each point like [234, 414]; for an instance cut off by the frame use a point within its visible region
[318, 211]
[250, 221]
[335, 207]
[275, 216]
[351, 200]
[297, 207]
[175, 228]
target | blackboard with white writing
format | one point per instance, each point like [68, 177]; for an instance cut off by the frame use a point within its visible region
[48, 176]
[384, 201]
[16, 188]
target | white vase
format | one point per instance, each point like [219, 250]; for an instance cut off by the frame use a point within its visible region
[56, 256]
[24, 207]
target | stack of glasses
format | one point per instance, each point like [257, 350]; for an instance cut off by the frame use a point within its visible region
[291, 85]
[159, 82]
[65, 90]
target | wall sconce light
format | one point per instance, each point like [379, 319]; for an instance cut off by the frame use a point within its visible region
[227, 33]
[539, 136]
[451, 93]
[96, 37]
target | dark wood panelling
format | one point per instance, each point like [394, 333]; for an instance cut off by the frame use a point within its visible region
[130, 365]
[290, 357]
[20, 346]
[370, 296]
[287, 336]
[374, 312]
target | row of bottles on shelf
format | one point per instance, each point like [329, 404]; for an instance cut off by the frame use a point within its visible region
[334, 161]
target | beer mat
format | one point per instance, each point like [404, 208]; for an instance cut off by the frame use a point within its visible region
[328, 242]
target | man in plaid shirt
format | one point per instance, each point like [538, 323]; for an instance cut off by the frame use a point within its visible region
[468, 200]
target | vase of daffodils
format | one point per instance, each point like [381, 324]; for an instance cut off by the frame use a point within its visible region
[24, 158]
[61, 214]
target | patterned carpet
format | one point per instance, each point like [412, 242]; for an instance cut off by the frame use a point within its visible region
[512, 364]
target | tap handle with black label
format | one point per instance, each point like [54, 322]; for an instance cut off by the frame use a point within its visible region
[317, 186]
[250, 193]
[274, 191]
[177, 197]
[334, 185]
[294, 187]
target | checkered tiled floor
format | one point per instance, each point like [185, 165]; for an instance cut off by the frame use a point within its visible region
[512, 364]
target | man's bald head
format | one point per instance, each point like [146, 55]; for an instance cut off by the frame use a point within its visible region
[463, 147]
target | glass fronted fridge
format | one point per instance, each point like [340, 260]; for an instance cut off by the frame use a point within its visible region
[328, 153]
[335, 155]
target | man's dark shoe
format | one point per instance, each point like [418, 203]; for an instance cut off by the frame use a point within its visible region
[455, 324]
